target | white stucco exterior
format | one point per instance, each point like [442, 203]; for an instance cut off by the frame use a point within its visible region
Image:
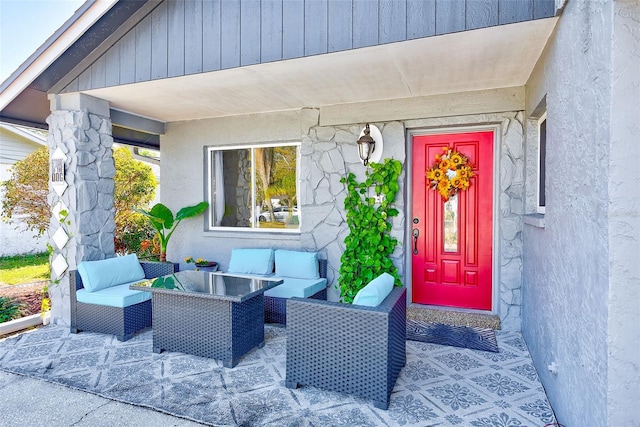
[581, 300]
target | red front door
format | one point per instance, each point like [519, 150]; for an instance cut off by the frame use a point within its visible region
[452, 241]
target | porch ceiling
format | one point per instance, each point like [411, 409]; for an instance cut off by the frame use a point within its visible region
[488, 58]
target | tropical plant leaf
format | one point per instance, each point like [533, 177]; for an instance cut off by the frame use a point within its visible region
[191, 211]
[161, 213]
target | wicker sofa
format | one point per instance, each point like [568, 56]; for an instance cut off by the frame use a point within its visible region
[123, 322]
[303, 275]
[275, 308]
[347, 348]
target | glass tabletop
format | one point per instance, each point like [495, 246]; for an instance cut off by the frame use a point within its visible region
[209, 284]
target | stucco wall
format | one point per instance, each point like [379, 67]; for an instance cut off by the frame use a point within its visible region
[576, 279]
[327, 154]
[623, 330]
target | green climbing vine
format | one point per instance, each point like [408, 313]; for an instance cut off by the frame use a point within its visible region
[369, 245]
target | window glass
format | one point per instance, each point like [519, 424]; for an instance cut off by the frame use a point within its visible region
[451, 224]
[254, 187]
[542, 154]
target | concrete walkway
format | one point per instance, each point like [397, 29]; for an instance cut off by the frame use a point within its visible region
[29, 402]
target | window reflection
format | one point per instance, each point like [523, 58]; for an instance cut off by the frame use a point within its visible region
[254, 187]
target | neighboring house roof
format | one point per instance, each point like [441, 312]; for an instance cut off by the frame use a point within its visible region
[18, 141]
[214, 59]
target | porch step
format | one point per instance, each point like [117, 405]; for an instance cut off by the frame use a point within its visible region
[452, 317]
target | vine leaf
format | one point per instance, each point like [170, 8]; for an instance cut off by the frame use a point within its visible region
[369, 246]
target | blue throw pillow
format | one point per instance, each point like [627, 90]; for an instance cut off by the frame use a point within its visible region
[375, 291]
[106, 273]
[251, 261]
[302, 265]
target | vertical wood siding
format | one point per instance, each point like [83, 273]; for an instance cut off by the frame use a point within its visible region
[182, 37]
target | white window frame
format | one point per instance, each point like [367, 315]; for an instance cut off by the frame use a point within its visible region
[540, 175]
[209, 183]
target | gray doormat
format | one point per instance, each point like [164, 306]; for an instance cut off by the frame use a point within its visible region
[456, 336]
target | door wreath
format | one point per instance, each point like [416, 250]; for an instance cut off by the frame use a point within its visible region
[451, 172]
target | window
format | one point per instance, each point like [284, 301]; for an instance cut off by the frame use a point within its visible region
[542, 154]
[254, 187]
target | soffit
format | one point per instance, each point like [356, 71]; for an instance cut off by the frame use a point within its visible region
[488, 58]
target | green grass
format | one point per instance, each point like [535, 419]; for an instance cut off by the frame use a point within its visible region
[24, 269]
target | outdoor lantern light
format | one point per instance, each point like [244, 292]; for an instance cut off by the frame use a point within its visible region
[366, 145]
[370, 144]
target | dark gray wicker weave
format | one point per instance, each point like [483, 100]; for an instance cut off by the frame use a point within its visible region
[206, 327]
[347, 348]
[196, 321]
[275, 309]
[121, 322]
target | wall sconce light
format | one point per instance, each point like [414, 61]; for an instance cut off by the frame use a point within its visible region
[370, 144]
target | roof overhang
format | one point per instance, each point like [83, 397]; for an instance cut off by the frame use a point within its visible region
[488, 58]
[23, 82]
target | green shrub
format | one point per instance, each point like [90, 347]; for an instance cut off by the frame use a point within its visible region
[9, 309]
[136, 230]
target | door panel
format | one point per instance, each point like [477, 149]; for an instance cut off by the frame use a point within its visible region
[452, 260]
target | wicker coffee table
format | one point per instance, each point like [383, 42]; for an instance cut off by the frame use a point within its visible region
[208, 314]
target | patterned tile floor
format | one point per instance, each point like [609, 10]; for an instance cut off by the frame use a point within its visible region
[439, 386]
[476, 388]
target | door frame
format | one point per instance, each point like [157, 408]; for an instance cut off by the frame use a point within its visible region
[495, 259]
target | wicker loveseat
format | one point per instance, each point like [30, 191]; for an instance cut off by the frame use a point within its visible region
[302, 273]
[275, 307]
[102, 316]
[347, 348]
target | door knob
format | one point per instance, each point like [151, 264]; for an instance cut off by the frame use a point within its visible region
[416, 233]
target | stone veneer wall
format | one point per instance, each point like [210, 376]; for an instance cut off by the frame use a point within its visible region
[85, 139]
[329, 153]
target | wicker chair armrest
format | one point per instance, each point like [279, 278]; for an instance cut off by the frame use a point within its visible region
[385, 307]
[322, 267]
[156, 269]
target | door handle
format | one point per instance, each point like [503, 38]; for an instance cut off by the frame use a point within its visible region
[416, 233]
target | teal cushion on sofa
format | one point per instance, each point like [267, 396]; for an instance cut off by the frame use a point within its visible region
[106, 273]
[293, 287]
[302, 265]
[251, 261]
[375, 291]
[116, 296]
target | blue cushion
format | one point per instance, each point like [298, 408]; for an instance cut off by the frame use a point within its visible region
[375, 292]
[293, 287]
[303, 265]
[251, 261]
[116, 296]
[106, 273]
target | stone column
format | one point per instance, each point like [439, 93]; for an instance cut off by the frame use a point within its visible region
[81, 196]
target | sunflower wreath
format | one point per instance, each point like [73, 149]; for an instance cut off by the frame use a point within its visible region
[450, 173]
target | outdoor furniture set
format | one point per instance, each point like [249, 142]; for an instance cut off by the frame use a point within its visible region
[354, 348]
[350, 348]
[208, 314]
[304, 275]
[101, 300]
